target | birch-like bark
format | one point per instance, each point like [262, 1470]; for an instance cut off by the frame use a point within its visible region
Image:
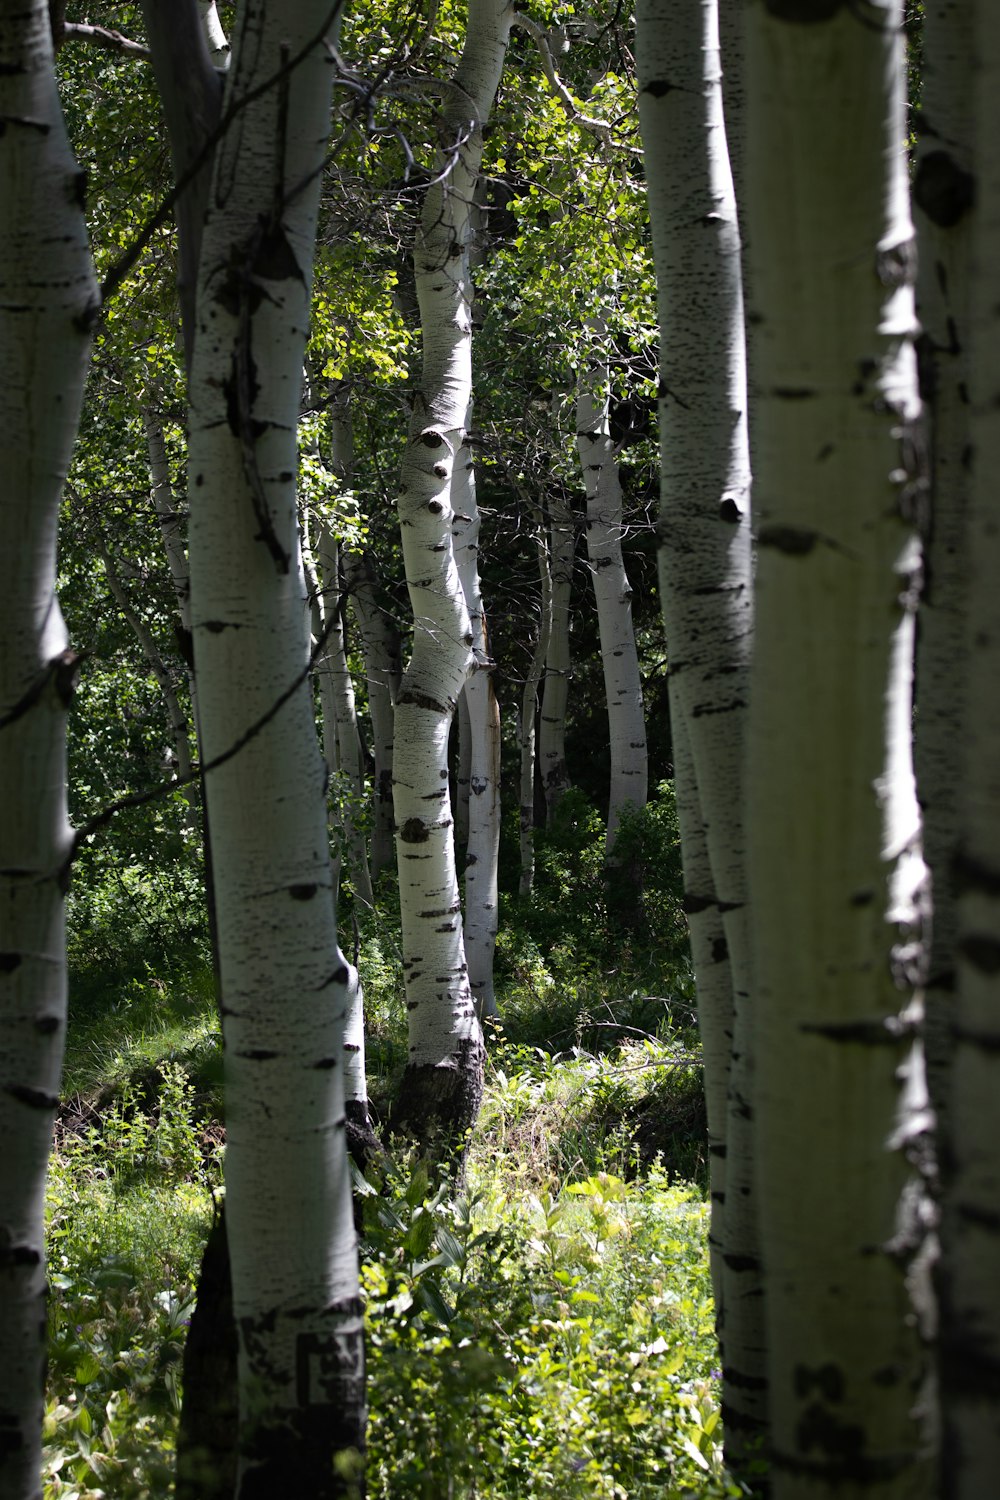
[482, 842]
[558, 663]
[284, 980]
[706, 595]
[215, 36]
[48, 302]
[333, 664]
[463, 767]
[714, 992]
[612, 590]
[970, 1309]
[381, 649]
[833, 825]
[943, 203]
[527, 738]
[442, 1085]
[191, 93]
[334, 661]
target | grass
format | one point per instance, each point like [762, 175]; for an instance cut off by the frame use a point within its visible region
[548, 1326]
[543, 1329]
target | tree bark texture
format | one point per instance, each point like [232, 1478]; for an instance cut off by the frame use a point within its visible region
[48, 302]
[970, 1309]
[381, 650]
[943, 210]
[558, 662]
[527, 735]
[706, 593]
[482, 842]
[835, 864]
[612, 590]
[442, 1085]
[284, 980]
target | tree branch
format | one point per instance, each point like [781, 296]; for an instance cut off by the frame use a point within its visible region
[191, 94]
[100, 36]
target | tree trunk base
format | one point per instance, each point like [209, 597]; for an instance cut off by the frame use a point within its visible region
[438, 1106]
[206, 1439]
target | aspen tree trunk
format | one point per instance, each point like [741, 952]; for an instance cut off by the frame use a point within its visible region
[284, 980]
[340, 746]
[970, 1308]
[442, 1085]
[482, 843]
[833, 828]
[48, 302]
[335, 662]
[215, 36]
[706, 594]
[349, 757]
[734, 96]
[322, 670]
[190, 89]
[943, 201]
[714, 992]
[380, 646]
[529, 710]
[463, 767]
[612, 591]
[558, 663]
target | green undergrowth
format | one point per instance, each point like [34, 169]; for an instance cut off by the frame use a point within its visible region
[543, 1328]
[546, 1329]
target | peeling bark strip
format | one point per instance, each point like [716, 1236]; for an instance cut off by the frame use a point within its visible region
[840, 1105]
[288, 1200]
[48, 298]
[706, 595]
[444, 1030]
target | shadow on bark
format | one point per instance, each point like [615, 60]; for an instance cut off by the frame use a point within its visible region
[437, 1107]
[209, 1424]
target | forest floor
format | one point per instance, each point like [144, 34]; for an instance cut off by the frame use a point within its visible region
[546, 1329]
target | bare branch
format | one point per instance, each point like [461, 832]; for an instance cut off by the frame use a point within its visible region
[101, 36]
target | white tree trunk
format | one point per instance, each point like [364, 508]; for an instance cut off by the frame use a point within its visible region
[483, 834]
[612, 590]
[714, 991]
[462, 753]
[527, 738]
[970, 1308]
[342, 744]
[360, 1134]
[706, 594]
[215, 36]
[943, 201]
[443, 1080]
[284, 980]
[833, 825]
[48, 301]
[558, 663]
